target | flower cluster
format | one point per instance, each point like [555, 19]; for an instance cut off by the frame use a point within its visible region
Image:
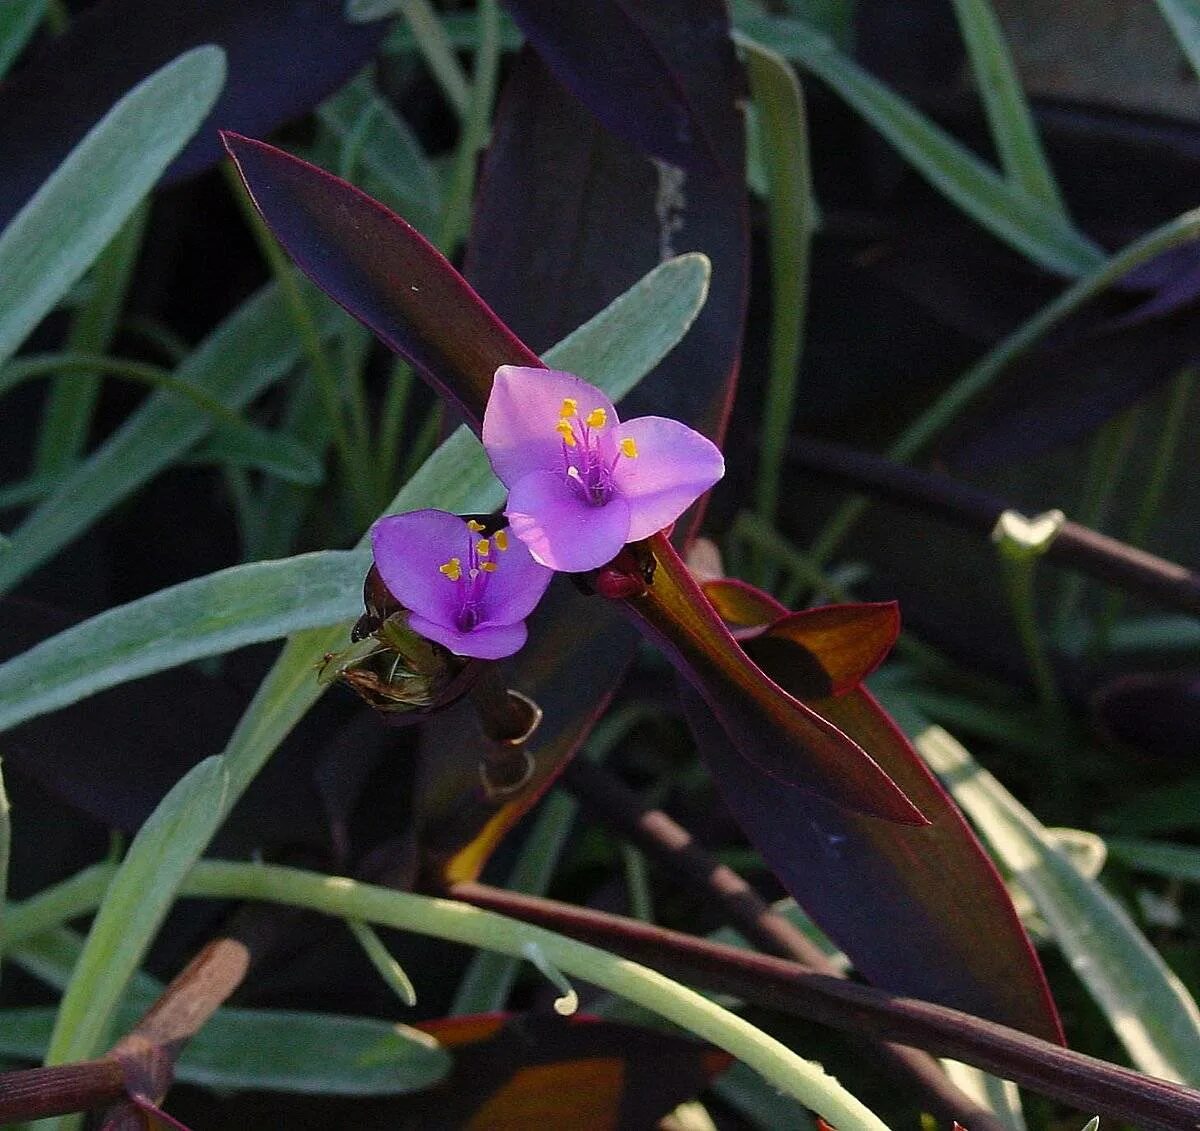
[581, 484]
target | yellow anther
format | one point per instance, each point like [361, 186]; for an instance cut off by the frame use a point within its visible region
[564, 429]
[488, 567]
[474, 527]
[483, 547]
[452, 569]
[501, 540]
[629, 448]
[570, 407]
[597, 418]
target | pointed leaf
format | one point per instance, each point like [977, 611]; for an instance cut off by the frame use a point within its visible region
[911, 907]
[284, 56]
[778, 734]
[616, 57]
[68, 222]
[383, 271]
[845, 643]
[321, 1054]
[919, 911]
[1147, 1005]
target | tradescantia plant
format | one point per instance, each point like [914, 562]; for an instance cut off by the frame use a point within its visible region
[501, 584]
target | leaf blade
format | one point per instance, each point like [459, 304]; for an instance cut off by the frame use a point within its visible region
[72, 217]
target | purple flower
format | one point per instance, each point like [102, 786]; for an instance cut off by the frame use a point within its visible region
[468, 592]
[580, 482]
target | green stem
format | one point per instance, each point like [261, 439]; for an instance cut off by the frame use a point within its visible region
[469, 926]
[446, 919]
[456, 214]
[1106, 463]
[67, 417]
[40, 365]
[983, 373]
[1019, 543]
[430, 35]
[780, 103]
[391, 424]
[1179, 397]
[385, 965]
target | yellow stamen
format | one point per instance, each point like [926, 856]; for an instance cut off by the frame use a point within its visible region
[452, 569]
[597, 418]
[501, 540]
[564, 429]
[488, 567]
[570, 407]
[483, 547]
[474, 527]
[629, 448]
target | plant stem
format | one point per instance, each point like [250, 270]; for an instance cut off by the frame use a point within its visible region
[1085, 1082]
[980, 376]
[675, 850]
[456, 922]
[1179, 398]
[1076, 547]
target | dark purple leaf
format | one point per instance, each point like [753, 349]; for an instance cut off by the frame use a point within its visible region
[792, 744]
[383, 271]
[568, 218]
[284, 56]
[644, 70]
[918, 910]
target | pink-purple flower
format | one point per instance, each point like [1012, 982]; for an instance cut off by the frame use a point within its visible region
[468, 591]
[582, 483]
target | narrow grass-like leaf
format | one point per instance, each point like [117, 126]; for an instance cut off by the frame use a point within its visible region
[1175, 861]
[277, 453]
[252, 348]
[1008, 212]
[462, 30]
[1013, 130]
[1184, 18]
[378, 141]
[387, 967]
[242, 605]
[1183, 229]
[55, 237]
[781, 116]
[1148, 1007]
[67, 416]
[318, 1054]
[18, 21]
[134, 906]
[430, 37]
[456, 478]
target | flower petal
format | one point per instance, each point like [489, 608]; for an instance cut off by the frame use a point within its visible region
[409, 549]
[484, 642]
[516, 587]
[561, 530]
[524, 406]
[674, 466]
